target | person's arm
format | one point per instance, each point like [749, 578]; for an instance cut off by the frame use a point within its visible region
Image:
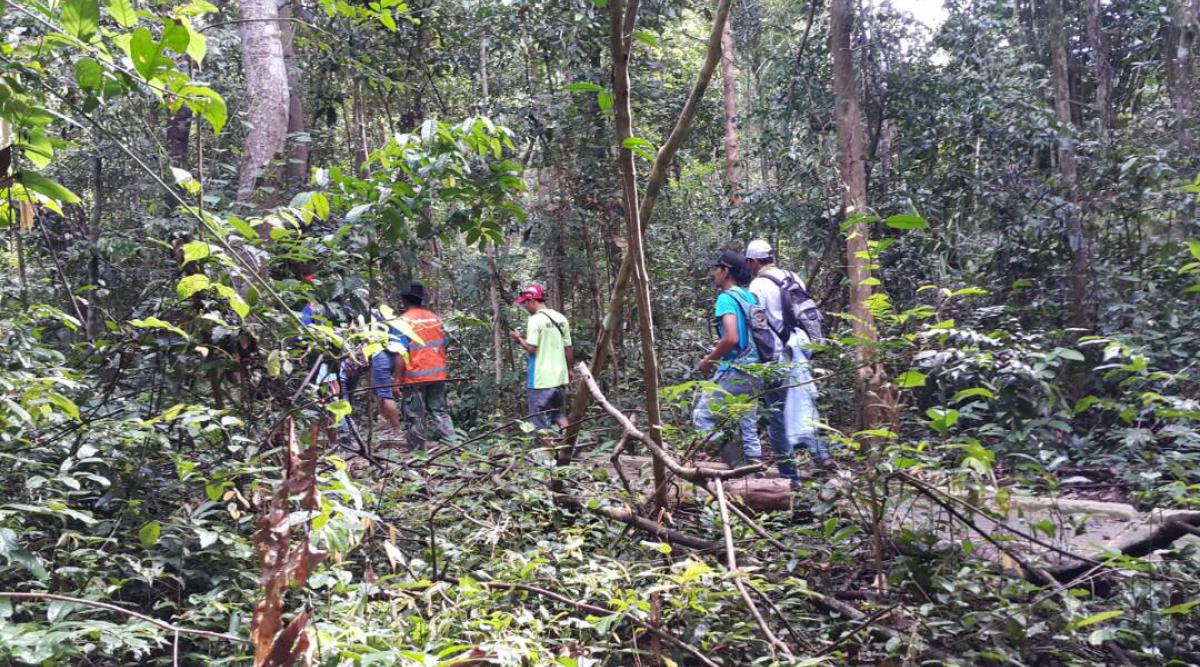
[727, 342]
[570, 352]
[515, 335]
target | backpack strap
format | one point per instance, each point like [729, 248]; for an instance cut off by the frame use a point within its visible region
[556, 325]
[744, 306]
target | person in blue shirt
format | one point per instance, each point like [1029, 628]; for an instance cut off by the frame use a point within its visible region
[734, 347]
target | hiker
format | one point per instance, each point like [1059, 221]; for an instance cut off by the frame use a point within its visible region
[382, 366]
[791, 395]
[422, 376]
[733, 347]
[548, 341]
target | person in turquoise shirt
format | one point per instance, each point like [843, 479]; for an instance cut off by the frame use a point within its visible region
[733, 348]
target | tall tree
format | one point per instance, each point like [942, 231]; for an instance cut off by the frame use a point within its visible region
[1103, 68]
[267, 88]
[620, 27]
[1183, 78]
[876, 401]
[733, 169]
[297, 153]
[1068, 171]
[654, 184]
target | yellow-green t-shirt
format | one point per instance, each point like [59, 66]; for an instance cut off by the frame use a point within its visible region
[548, 366]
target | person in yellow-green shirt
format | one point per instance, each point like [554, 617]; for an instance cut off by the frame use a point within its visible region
[547, 339]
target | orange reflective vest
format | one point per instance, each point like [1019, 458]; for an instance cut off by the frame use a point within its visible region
[427, 359]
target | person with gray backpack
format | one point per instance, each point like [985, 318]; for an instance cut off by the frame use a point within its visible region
[736, 318]
[791, 394]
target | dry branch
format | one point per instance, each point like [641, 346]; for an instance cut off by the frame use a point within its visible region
[696, 475]
[631, 518]
[731, 562]
[162, 625]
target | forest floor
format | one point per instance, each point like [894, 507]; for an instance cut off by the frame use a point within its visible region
[1086, 517]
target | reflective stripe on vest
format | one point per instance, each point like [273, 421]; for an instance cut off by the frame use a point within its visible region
[427, 359]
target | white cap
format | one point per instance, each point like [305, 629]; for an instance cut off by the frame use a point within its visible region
[758, 249]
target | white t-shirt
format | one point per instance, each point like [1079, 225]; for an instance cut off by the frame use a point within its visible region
[768, 294]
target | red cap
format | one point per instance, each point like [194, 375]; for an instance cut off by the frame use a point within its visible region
[532, 293]
[310, 277]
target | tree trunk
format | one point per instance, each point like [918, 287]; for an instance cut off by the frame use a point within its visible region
[267, 88]
[733, 169]
[1104, 72]
[297, 142]
[360, 130]
[1182, 81]
[1067, 167]
[619, 45]
[92, 327]
[876, 401]
[654, 183]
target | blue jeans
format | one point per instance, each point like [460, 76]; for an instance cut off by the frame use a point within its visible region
[791, 403]
[706, 415]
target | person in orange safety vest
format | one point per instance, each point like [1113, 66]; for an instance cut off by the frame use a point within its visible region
[422, 375]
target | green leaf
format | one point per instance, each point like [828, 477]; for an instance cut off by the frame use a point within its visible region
[910, 379]
[971, 393]
[81, 18]
[242, 227]
[1073, 355]
[1194, 248]
[646, 38]
[1096, 618]
[339, 409]
[605, 100]
[65, 404]
[387, 20]
[236, 302]
[149, 534]
[583, 87]
[906, 221]
[88, 74]
[155, 323]
[206, 103]
[189, 285]
[197, 46]
[195, 251]
[175, 37]
[44, 186]
[122, 12]
[145, 53]
[1183, 608]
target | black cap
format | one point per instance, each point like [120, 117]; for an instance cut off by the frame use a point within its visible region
[730, 259]
[416, 292]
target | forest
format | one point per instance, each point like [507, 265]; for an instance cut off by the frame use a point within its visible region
[440, 333]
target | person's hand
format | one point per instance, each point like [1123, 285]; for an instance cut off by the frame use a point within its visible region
[514, 336]
[706, 365]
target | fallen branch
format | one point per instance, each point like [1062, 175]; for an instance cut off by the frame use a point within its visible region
[696, 475]
[731, 562]
[1161, 538]
[162, 625]
[593, 609]
[630, 518]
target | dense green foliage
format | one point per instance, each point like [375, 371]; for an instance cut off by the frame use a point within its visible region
[153, 357]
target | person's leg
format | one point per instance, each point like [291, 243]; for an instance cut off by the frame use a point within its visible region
[774, 402]
[706, 417]
[382, 365]
[435, 409]
[415, 411]
[558, 400]
[741, 385]
[535, 405]
[801, 411]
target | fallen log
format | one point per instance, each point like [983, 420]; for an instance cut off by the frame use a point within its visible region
[631, 518]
